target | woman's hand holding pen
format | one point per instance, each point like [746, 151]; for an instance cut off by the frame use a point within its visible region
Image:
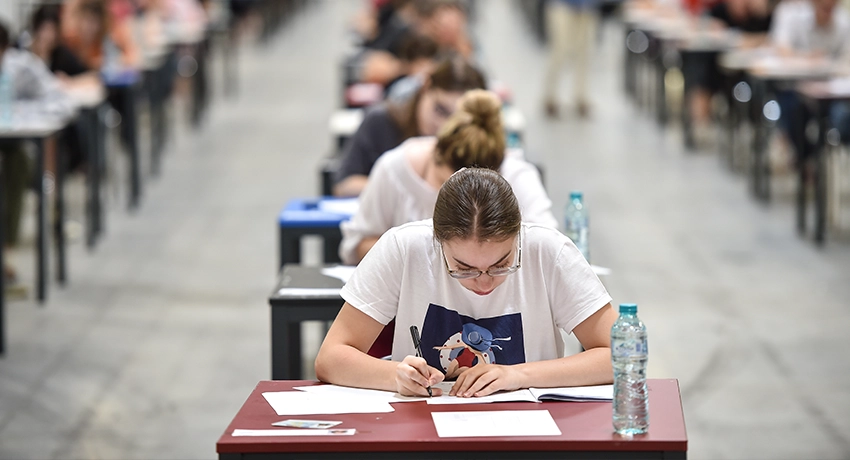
[485, 379]
[414, 376]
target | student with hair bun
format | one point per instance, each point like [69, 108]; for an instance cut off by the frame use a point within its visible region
[404, 183]
[490, 293]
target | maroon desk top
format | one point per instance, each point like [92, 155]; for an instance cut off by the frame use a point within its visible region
[585, 426]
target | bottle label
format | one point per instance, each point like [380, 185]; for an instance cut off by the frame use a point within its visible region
[629, 348]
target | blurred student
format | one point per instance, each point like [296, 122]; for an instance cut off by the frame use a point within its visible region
[403, 185]
[490, 292]
[388, 125]
[90, 28]
[45, 42]
[35, 91]
[442, 21]
[571, 27]
[818, 30]
[750, 17]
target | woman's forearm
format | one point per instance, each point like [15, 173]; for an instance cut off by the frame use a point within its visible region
[590, 367]
[348, 366]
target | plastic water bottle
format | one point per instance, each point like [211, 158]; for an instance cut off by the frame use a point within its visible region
[576, 223]
[629, 355]
[7, 99]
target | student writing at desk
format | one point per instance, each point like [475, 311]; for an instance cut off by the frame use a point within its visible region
[474, 274]
[404, 182]
[36, 94]
[389, 124]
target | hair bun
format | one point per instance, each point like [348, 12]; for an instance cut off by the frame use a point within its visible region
[484, 108]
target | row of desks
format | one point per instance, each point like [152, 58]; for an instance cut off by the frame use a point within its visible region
[657, 40]
[128, 86]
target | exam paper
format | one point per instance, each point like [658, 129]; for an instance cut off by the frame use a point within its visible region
[303, 403]
[295, 432]
[495, 423]
[386, 396]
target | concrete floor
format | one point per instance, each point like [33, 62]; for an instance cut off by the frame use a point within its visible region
[163, 329]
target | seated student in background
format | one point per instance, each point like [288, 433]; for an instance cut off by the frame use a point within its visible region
[90, 28]
[46, 43]
[490, 293]
[815, 29]
[404, 183]
[443, 21]
[36, 91]
[417, 59]
[750, 17]
[388, 124]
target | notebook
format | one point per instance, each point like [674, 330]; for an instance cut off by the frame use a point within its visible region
[594, 393]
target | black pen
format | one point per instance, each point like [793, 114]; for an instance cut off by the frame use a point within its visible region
[414, 333]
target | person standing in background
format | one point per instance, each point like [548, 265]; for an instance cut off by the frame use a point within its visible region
[571, 28]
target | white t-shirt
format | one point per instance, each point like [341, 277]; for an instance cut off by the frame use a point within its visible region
[404, 277]
[794, 27]
[396, 194]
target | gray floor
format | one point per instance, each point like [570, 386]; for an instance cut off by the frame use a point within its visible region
[163, 330]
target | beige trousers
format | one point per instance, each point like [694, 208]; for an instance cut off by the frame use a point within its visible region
[571, 34]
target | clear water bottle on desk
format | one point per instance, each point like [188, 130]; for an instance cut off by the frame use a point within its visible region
[629, 355]
[7, 99]
[576, 223]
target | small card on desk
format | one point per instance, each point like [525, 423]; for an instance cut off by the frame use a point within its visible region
[319, 424]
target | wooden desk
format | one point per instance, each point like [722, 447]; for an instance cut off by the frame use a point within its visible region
[289, 308]
[409, 432]
[821, 95]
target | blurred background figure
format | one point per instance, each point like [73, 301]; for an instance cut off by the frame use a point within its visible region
[571, 28]
[389, 124]
[752, 19]
[814, 31]
[34, 90]
[387, 29]
[92, 29]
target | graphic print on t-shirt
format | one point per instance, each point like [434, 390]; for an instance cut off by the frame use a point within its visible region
[451, 341]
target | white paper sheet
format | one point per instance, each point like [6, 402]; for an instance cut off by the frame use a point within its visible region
[495, 423]
[345, 206]
[303, 403]
[340, 272]
[295, 432]
[600, 271]
[309, 292]
[386, 396]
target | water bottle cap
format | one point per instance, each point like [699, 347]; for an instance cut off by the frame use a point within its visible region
[628, 308]
[576, 195]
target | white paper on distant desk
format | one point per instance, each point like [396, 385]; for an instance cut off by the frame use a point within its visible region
[295, 432]
[347, 206]
[340, 272]
[308, 292]
[575, 394]
[303, 403]
[495, 423]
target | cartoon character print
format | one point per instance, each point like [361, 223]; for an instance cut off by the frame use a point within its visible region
[453, 342]
[473, 345]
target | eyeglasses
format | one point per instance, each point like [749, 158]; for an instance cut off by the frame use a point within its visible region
[493, 272]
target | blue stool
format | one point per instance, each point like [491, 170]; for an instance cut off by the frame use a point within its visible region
[311, 216]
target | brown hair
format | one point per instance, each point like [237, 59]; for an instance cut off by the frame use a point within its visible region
[451, 74]
[476, 203]
[473, 135]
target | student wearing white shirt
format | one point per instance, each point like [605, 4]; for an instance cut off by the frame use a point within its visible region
[491, 295]
[816, 29]
[404, 183]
